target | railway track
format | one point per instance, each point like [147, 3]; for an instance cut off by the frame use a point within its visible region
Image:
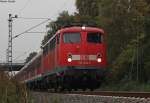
[115, 93]
[106, 93]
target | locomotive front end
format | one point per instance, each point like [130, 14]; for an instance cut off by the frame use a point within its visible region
[83, 56]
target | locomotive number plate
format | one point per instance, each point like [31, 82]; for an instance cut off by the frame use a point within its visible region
[84, 57]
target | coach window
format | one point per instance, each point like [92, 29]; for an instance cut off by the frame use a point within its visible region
[72, 37]
[94, 37]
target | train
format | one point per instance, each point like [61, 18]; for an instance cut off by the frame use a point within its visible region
[73, 58]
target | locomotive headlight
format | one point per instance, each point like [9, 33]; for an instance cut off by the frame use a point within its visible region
[69, 59]
[83, 27]
[99, 60]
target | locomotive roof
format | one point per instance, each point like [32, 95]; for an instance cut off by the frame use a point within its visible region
[75, 29]
[79, 29]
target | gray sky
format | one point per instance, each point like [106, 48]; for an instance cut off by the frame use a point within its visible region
[27, 43]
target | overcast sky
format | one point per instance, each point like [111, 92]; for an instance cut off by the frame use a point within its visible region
[27, 43]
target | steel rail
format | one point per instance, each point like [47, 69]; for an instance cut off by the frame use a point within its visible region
[115, 93]
[103, 93]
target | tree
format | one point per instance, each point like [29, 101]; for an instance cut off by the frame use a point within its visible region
[127, 24]
[146, 47]
[87, 7]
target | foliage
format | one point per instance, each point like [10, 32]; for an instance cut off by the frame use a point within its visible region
[125, 22]
[87, 7]
[146, 48]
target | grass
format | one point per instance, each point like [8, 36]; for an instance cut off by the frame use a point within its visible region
[12, 91]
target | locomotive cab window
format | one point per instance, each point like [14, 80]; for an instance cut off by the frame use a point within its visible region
[72, 37]
[94, 37]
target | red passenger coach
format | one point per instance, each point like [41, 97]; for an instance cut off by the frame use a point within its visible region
[75, 57]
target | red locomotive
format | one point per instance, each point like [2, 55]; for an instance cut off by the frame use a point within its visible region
[75, 57]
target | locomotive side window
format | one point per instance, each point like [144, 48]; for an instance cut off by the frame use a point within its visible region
[72, 37]
[94, 37]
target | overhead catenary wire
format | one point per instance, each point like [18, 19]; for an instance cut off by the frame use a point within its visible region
[35, 25]
[35, 32]
[30, 18]
[30, 28]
